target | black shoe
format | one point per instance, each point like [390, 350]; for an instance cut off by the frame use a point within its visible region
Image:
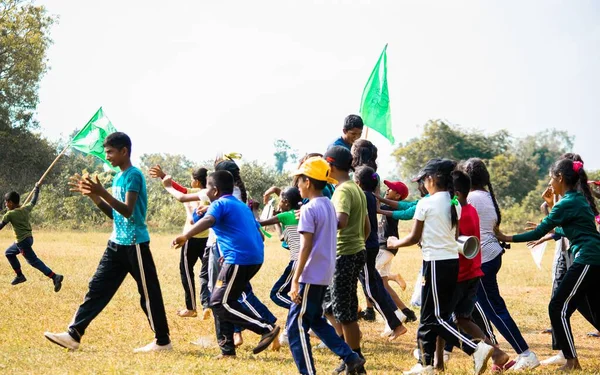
[355, 364]
[361, 370]
[18, 279]
[367, 314]
[57, 279]
[266, 340]
[338, 370]
[410, 315]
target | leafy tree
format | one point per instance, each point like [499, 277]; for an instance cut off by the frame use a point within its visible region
[544, 148]
[24, 40]
[512, 178]
[439, 139]
[283, 154]
[259, 177]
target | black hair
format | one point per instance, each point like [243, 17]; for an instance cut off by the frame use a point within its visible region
[462, 182]
[223, 180]
[231, 167]
[480, 178]
[353, 122]
[364, 153]
[575, 179]
[441, 170]
[317, 184]
[292, 195]
[200, 176]
[571, 156]
[13, 197]
[367, 177]
[118, 140]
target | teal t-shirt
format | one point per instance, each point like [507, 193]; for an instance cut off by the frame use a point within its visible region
[132, 230]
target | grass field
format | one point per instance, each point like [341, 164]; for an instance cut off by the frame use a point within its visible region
[29, 309]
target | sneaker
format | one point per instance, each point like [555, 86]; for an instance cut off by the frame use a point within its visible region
[481, 357]
[419, 369]
[359, 371]
[355, 364]
[18, 280]
[410, 315]
[387, 331]
[367, 314]
[57, 280]
[400, 316]
[417, 354]
[547, 331]
[63, 339]
[266, 340]
[185, 313]
[527, 362]
[206, 313]
[341, 368]
[283, 339]
[321, 345]
[558, 359]
[594, 334]
[153, 347]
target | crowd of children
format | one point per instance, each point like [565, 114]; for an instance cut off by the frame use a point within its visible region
[328, 220]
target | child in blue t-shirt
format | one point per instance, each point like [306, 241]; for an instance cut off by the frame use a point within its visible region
[240, 242]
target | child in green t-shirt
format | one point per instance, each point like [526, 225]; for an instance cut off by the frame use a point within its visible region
[18, 216]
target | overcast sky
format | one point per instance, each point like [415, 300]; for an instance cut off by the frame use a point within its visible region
[197, 77]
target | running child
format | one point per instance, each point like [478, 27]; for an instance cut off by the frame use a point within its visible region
[314, 271]
[18, 216]
[436, 227]
[574, 217]
[195, 249]
[240, 242]
[127, 252]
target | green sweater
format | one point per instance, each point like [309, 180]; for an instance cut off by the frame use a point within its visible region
[574, 215]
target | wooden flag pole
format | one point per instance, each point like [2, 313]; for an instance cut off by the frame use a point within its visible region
[46, 173]
[367, 133]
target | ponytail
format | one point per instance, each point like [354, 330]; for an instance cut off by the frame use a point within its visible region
[240, 184]
[496, 207]
[587, 193]
[453, 213]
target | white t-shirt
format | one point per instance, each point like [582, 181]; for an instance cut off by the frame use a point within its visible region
[482, 201]
[438, 241]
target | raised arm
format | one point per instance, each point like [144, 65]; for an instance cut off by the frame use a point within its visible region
[412, 239]
[169, 185]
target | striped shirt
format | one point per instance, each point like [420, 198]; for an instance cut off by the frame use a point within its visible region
[290, 232]
[482, 201]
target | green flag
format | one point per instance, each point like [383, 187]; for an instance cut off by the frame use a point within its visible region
[90, 139]
[375, 102]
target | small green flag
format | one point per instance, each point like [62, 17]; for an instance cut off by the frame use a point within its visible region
[90, 139]
[375, 102]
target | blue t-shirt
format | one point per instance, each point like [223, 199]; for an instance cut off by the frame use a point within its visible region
[133, 230]
[237, 231]
[340, 142]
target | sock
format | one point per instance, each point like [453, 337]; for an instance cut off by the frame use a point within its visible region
[358, 352]
[525, 353]
[51, 275]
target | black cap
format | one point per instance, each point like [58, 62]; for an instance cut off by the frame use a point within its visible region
[227, 165]
[339, 157]
[434, 166]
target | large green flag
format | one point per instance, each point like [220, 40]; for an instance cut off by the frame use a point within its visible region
[375, 102]
[90, 139]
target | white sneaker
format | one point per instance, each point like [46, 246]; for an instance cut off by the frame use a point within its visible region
[283, 338]
[400, 315]
[63, 339]
[321, 345]
[387, 331]
[153, 347]
[419, 369]
[558, 359]
[527, 362]
[481, 357]
[417, 354]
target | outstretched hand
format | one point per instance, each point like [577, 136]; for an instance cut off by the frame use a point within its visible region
[178, 242]
[392, 242]
[530, 226]
[157, 172]
[499, 235]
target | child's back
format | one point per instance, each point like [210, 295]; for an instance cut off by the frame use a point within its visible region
[438, 238]
[348, 198]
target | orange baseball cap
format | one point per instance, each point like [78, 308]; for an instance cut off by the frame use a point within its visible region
[316, 168]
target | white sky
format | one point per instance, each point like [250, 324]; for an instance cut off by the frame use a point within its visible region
[196, 77]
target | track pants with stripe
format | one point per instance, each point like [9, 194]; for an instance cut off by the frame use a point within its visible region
[192, 250]
[437, 306]
[231, 283]
[309, 315]
[494, 307]
[375, 290]
[578, 288]
[254, 306]
[281, 288]
[116, 263]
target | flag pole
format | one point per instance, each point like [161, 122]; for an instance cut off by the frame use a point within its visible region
[367, 133]
[47, 171]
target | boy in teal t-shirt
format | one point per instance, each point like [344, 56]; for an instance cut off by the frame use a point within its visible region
[128, 250]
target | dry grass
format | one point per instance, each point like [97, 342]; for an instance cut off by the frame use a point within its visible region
[29, 309]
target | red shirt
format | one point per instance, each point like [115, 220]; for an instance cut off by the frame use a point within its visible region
[469, 226]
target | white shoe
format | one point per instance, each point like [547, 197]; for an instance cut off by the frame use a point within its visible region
[417, 354]
[153, 347]
[400, 315]
[558, 359]
[63, 339]
[283, 339]
[526, 362]
[387, 331]
[321, 345]
[481, 357]
[419, 369]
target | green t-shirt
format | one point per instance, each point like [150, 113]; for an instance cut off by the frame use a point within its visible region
[348, 198]
[19, 218]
